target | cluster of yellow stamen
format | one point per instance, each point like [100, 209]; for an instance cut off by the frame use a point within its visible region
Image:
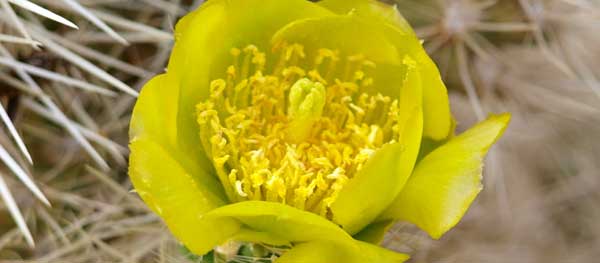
[295, 135]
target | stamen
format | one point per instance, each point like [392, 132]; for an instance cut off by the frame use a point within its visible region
[293, 135]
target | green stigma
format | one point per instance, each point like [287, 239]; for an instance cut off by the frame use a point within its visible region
[306, 103]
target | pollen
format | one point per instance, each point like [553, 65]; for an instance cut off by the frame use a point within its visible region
[293, 128]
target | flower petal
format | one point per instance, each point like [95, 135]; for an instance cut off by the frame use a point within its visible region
[203, 42]
[375, 186]
[351, 36]
[374, 253]
[366, 195]
[326, 252]
[437, 116]
[371, 10]
[438, 121]
[276, 221]
[154, 119]
[345, 33]
[281, 221]
[248, 235]
[177, 196]
[447, 180]
[314, 252]
[154, 112]
[374, 232]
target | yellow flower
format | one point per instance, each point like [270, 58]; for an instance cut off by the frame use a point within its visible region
[310, 125]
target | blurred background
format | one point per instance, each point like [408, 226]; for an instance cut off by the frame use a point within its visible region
[67, 94]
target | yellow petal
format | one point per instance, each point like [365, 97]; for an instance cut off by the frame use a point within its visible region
[327, 252]
[436, 107]
[154, 113]
[345, 33]
[437, 116]
[371, 190]
[351, 36]
[447, 180]
[275, 221]
[371, 10]
[315, 252]
[374, 232]
[248, 235]
[177, 197]
[281, 221]
[374, 253]
[154, 119]
[203, 40]
[376, 185]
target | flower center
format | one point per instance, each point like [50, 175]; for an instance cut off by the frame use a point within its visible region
[297, 134]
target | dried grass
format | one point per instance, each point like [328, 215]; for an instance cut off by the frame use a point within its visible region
[536, 59]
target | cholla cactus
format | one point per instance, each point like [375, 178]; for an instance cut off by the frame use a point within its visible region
[24, 34]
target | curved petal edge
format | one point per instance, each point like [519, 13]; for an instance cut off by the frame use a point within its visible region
[447, 180]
